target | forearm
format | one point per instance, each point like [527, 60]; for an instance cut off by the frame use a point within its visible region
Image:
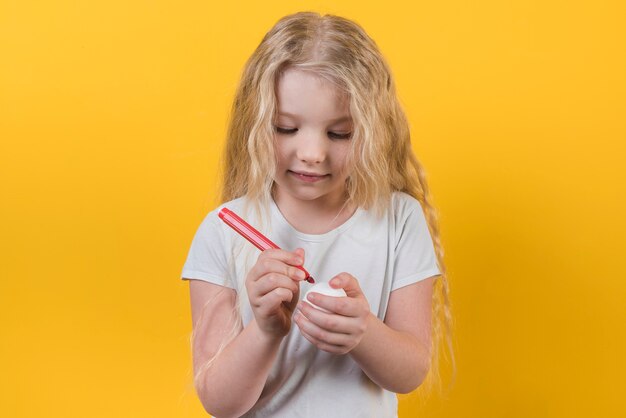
[394, 360]
[239, 372]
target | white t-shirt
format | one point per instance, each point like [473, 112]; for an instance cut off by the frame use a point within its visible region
[384, 254]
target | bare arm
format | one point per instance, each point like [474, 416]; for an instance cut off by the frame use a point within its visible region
[395, 353]
[241, 368]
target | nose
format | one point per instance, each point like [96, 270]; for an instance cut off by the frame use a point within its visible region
[312, 148]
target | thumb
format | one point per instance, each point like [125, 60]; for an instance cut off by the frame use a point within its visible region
[300, 253]
[348, 283]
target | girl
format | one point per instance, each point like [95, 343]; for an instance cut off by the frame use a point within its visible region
[319, 159]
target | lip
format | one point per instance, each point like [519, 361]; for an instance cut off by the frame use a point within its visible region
[308, 176]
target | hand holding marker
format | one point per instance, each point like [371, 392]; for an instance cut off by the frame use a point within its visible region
[263, 243]
[255, 237]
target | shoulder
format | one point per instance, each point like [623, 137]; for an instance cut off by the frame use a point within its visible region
[403, 205]
[408, 215]
[211, 228]
[235, 205]
[399, 209]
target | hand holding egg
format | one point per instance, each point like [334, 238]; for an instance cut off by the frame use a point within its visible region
[339, 320]
[325, 289]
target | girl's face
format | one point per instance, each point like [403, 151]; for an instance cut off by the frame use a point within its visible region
[313, 133]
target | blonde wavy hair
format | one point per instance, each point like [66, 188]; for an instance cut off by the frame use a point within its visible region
[381, 159]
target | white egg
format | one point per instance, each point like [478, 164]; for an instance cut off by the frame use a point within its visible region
[325, 289]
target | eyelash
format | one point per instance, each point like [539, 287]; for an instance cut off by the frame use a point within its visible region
[332, 135]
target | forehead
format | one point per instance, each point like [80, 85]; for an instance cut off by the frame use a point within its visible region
[309, 96]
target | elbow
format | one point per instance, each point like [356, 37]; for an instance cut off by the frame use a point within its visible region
[215, 403]
[414, 381]
[221, 412]
[218, 409]
[211, 407]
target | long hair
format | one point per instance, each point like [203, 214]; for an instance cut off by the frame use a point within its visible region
[381, 159]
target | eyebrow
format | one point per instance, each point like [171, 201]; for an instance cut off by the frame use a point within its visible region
[333, 121]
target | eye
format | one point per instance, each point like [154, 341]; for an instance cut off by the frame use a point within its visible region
[285, 131]
[340, 135]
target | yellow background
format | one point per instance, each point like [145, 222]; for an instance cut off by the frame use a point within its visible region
[112, 118]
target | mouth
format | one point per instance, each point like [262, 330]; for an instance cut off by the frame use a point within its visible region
[307, 176]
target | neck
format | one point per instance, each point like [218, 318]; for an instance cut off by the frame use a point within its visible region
[315, 216]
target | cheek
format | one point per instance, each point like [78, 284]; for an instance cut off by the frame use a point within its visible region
[281, 154]
[341, 158]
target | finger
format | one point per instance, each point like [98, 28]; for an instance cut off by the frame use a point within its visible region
[321, 345]
[273, 300]
[324, 340]
[293, 258]
[348, 283]
[300, 253]
[345, 306]
[328, 321]
[267, 264]
[271, 281]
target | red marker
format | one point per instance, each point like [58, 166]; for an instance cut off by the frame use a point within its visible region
[255, 237]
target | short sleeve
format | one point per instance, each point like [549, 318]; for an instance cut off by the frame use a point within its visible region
[415, 257]
[207, 259]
